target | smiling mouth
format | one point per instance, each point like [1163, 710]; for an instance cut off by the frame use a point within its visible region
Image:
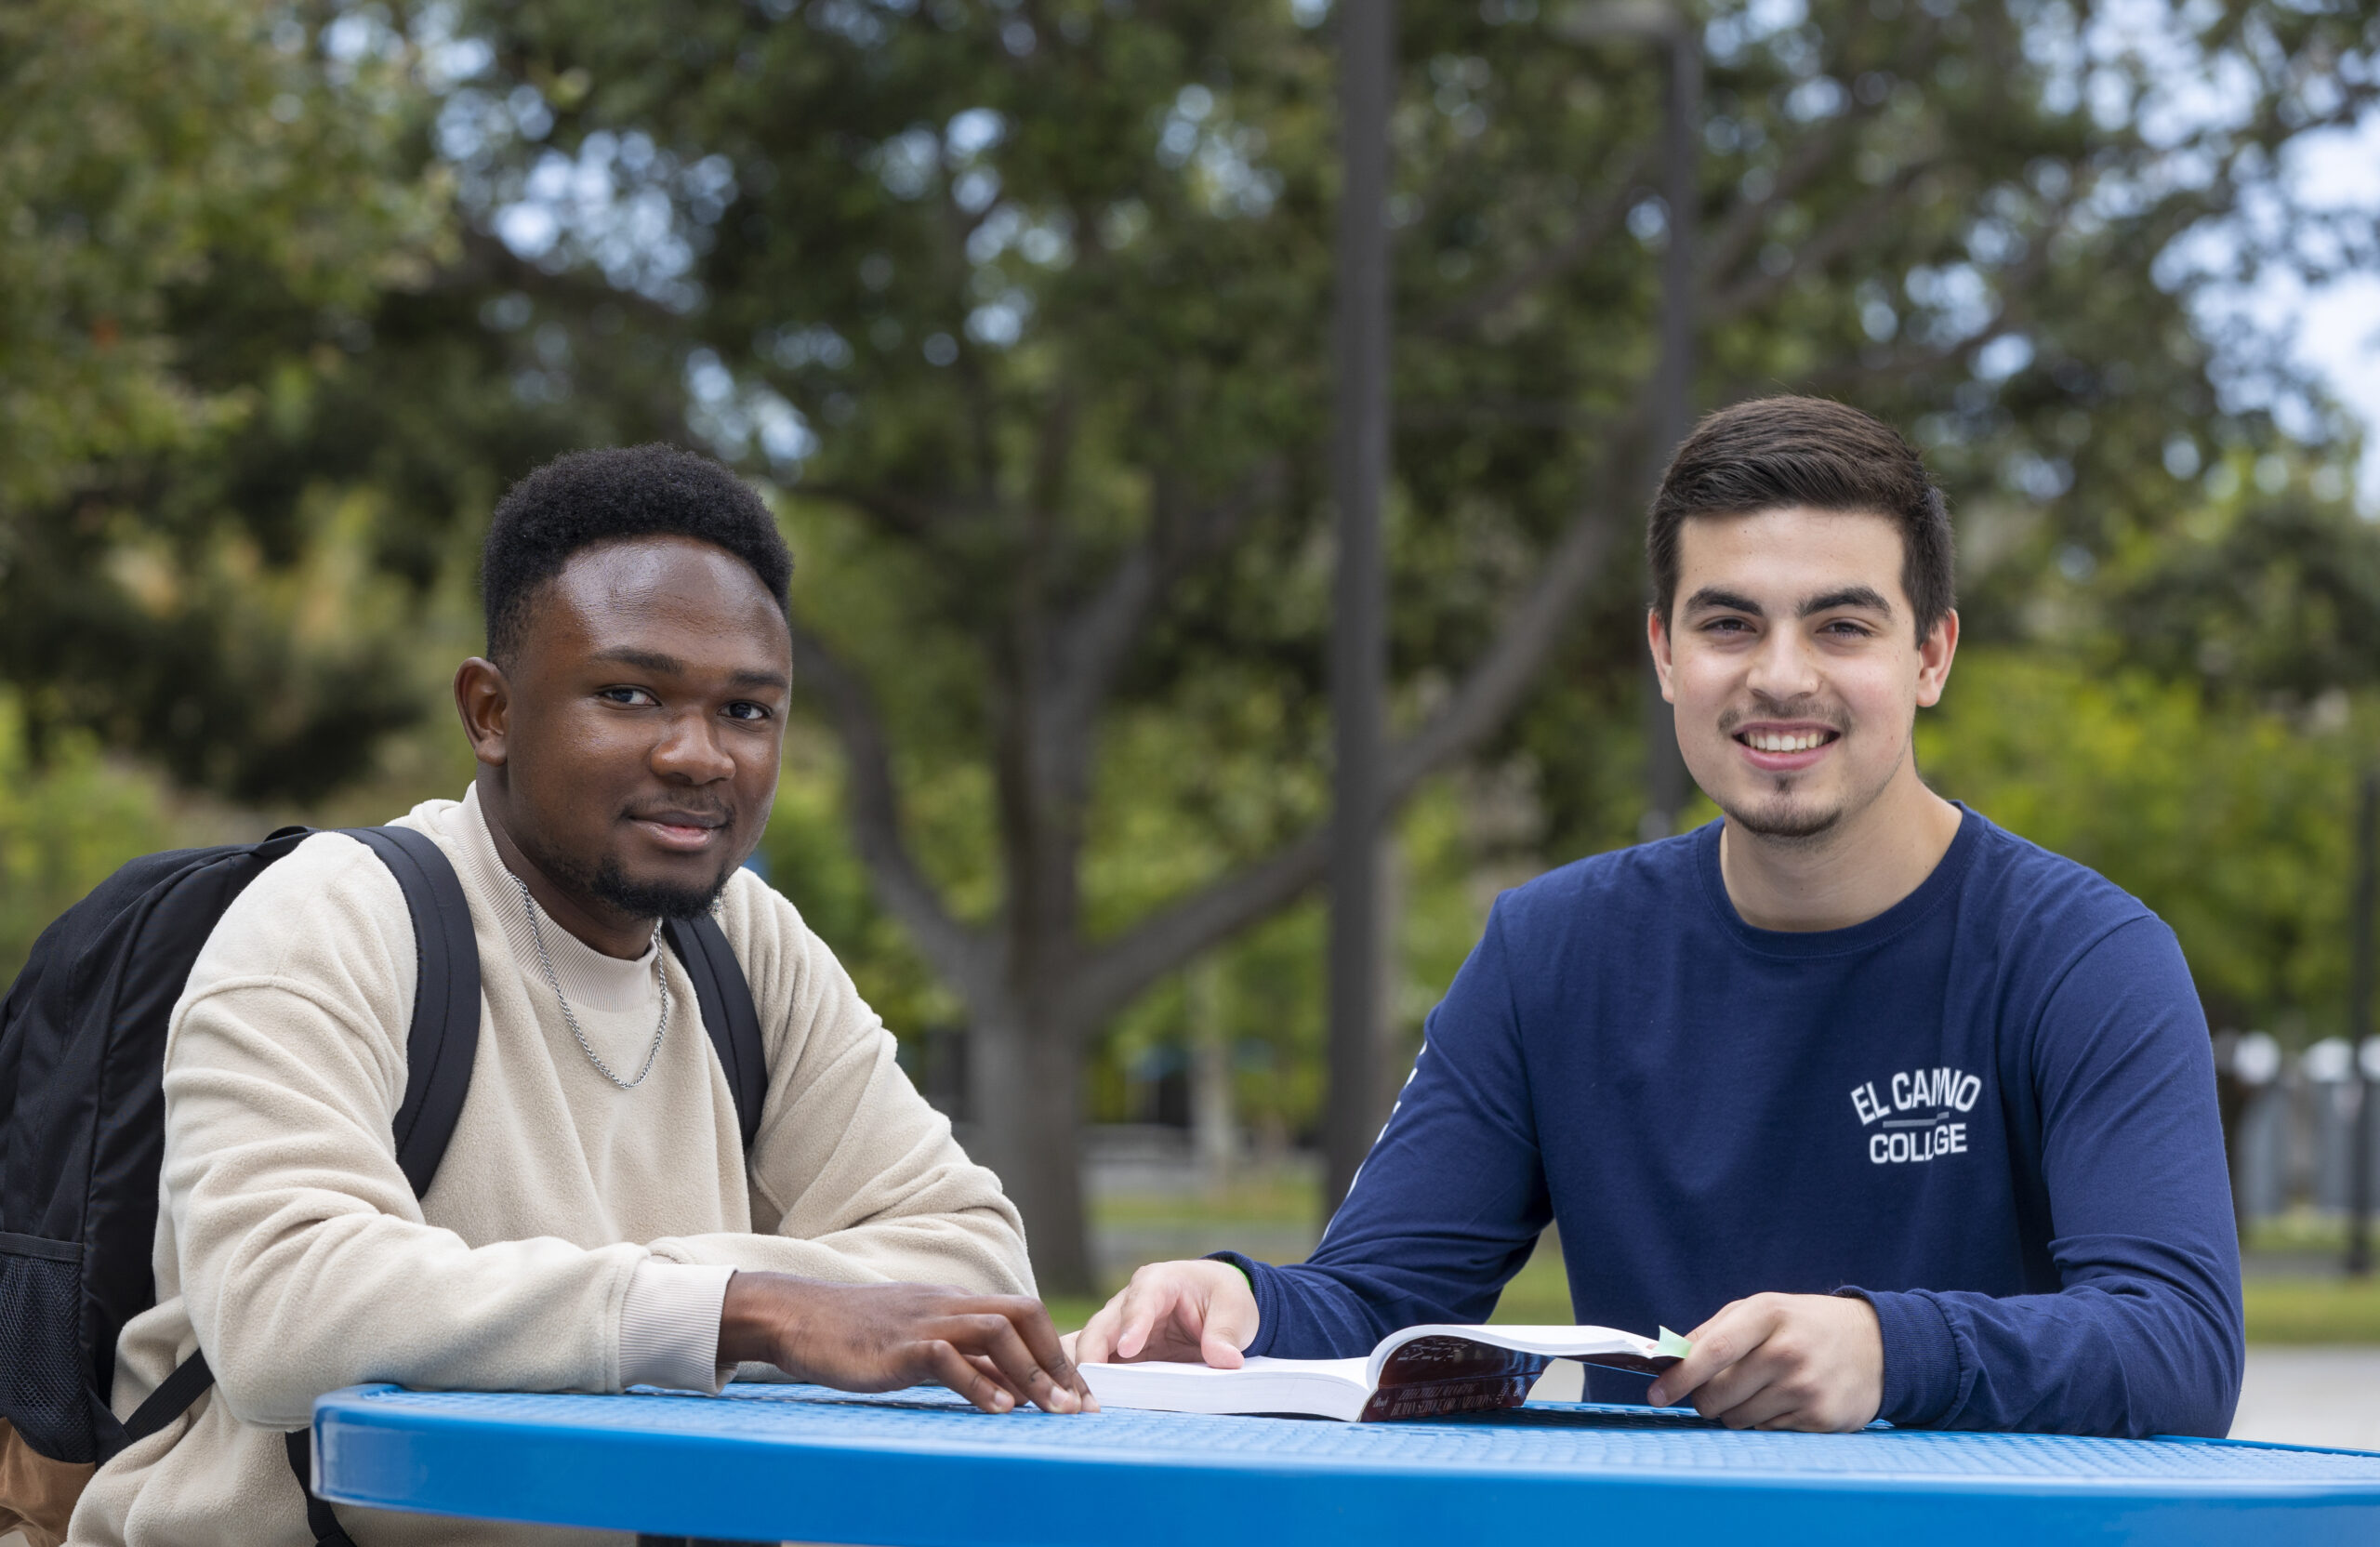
[681, 828]
[1787, 741]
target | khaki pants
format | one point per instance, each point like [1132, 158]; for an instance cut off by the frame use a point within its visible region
[36, 1494]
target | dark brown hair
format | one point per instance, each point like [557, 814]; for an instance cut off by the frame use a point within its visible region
[1772, 453]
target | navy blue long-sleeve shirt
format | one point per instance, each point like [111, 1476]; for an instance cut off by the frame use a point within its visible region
[1989, 1111]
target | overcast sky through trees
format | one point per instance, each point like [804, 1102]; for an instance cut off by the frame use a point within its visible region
[2338, 324]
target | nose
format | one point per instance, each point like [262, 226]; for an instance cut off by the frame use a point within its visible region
[1782, 669]
[690, 752]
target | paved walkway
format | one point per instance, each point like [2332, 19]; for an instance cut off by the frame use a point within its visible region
[2314, 1395]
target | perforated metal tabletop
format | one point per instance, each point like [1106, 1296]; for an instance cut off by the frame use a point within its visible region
[921, 1469]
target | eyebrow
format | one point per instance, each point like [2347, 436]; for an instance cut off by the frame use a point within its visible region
[1863, 597]
[1715, 598]
[663, 665]
[643, 660]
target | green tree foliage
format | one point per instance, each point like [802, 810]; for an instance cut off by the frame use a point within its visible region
[808, 855]
[154, 150]
[1022, 306]
[64, 826]
[1028, 302]
[250, 410]
[2230, 821]
[2272, 596]
[2191, 720]
[170, 172]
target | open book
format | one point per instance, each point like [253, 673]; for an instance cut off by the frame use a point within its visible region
[1420, 1372]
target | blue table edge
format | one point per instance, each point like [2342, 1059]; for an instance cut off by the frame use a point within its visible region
[1390, 1501]
[331, 1404]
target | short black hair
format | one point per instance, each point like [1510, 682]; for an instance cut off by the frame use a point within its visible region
[1773, 453]
[585, 497]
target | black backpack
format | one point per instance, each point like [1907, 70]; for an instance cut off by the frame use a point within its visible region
[82, 1111]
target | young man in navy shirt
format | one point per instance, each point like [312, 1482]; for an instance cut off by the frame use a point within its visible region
[1910, 1119]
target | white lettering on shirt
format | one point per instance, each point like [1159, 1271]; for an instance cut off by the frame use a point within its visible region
[1916, 1116]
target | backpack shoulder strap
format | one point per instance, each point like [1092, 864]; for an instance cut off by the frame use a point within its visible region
[439, 1047]
[444, 1037]
[727, 1013]
[171, 1400]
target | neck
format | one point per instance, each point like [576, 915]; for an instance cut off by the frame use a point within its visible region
[593, 922]
[1847, 874]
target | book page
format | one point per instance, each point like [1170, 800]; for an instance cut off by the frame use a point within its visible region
[1354, 1371]
[1601, 1345]
[1324, 1388]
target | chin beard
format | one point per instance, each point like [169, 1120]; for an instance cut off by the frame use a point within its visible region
[1785, 820]
[610, 885]
[654, 899]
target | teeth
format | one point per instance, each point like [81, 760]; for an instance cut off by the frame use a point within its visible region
[1772, 741]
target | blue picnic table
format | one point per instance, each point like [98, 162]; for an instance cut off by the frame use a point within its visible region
[920, 1468]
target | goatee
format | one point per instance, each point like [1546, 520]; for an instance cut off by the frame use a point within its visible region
[1786, 821]
[610, 884]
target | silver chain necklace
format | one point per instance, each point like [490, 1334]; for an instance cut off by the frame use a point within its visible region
[660, 979]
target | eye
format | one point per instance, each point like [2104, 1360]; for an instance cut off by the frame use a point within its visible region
[1845, 628]
[748, 711]
[634, 698]
[1727, 626]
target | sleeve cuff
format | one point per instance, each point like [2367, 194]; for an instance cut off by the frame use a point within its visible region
[1268, 1297]
[1921, 1358]
[669, 1326]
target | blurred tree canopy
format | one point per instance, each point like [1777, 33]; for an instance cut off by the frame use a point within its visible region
[1020, 305]
[2227, 820]
[1025, 302]
[251, 414]
[2199, 735]
[172, 183]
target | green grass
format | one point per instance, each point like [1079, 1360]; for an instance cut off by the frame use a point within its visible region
[2280, 1309]
[2300, 1230]
[1257, 1199]
[1539, 1294]
[2291, 1310]
[1070, 1310]
[2313, 1310]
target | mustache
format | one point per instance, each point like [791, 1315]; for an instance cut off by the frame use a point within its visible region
[700, 810]
[1737, 718]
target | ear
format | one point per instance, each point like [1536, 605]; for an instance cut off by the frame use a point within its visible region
[1934, 653]
[484, 698]
[1657, 634]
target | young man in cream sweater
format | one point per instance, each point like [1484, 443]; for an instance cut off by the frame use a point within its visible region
[596, 1223]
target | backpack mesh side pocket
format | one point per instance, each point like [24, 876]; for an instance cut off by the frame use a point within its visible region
[41, 1307]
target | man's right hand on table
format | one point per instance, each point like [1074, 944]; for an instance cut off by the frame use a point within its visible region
[995, 1350]
[1190, 1312]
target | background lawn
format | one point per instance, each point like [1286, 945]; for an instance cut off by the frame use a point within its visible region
[2293, 1294]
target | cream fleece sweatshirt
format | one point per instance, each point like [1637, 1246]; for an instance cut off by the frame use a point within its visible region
[578, 1236]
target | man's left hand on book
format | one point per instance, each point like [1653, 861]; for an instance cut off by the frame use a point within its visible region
[1199, 1312]
[1813, 1362]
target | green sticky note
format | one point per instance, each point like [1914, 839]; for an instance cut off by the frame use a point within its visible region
[1670, 1345]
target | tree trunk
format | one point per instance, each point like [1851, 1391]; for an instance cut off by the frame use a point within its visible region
[1359, 593]
[1024, 1097]
[1667, 787]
